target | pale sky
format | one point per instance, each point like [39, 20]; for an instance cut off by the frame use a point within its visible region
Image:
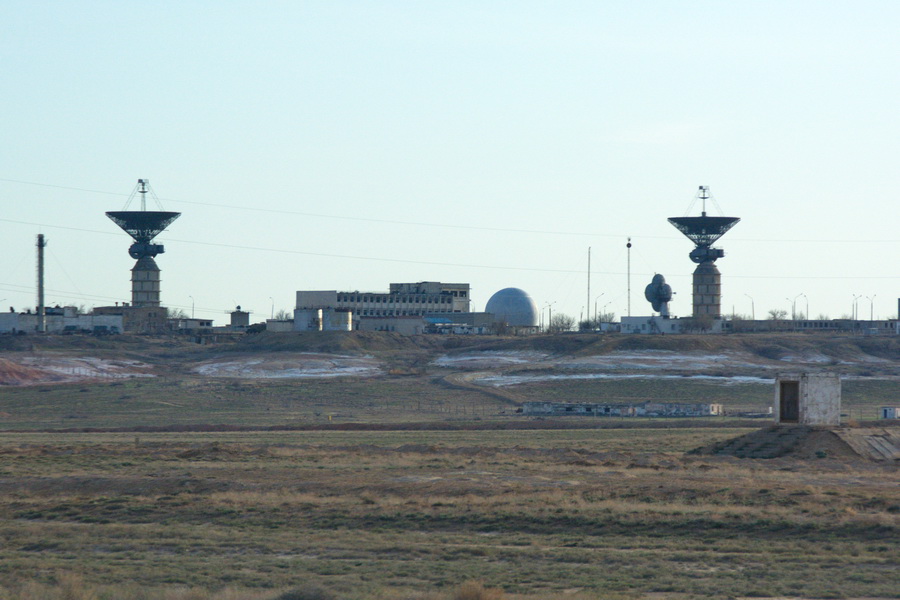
[348, 145]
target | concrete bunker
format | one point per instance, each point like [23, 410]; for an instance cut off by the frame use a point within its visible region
[807, 399]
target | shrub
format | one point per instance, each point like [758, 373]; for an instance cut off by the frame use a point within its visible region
[475, 590]
[307, 592]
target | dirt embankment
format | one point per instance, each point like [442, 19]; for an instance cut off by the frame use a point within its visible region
[69, 358]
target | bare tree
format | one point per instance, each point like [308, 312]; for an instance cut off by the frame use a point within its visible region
[777, 314]
[595, 324]
[283, 315]
[561, 322]
[177, 313]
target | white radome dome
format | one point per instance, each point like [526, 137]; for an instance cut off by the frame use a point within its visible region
[513, 307]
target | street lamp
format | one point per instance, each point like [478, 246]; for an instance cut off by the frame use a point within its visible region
[603, 308]
[794, 306]
[807, 305]
[855, 300]
[192, 306]
[549, 307]
[752, 307]
[871, 306]
[596, 316]
[273, 307]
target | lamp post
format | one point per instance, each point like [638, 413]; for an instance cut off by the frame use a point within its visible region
[549, 307]
[273, 307]
[807, 305]
[752, 307]
[192, 306]
[603, 308]
[596, 315]
[628, 246]
[855, 300]
[794, 306]
[871, 306]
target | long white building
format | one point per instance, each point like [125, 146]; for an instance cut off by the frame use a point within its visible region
[403, 299]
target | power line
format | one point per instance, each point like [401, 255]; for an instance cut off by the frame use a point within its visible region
[436, 263]
[441, 225]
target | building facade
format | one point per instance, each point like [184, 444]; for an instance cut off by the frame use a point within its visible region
[643, 409]
[61, 320]
[403, 300]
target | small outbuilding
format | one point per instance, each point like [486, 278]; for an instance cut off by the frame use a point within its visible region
[808, 399]
[890, 412]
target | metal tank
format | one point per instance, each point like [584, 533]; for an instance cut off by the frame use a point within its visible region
[337, 320]
[308, 319]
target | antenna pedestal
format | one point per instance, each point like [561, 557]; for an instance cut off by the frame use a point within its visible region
[707, 290]
[145, 283]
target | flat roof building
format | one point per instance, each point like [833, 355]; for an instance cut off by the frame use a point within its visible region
[403, 300]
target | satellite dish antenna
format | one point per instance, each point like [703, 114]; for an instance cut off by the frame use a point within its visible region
[144, 225]
[659, 293]
[705, 231]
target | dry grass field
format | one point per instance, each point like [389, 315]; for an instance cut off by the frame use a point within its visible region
[127, 472]
[584, 514]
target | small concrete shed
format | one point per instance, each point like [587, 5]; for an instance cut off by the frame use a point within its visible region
[890, 412]
[807, 399]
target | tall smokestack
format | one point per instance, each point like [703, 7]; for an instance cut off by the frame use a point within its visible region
[42, 319]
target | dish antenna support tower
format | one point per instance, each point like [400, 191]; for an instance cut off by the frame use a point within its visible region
[704, 231]
[144, 225]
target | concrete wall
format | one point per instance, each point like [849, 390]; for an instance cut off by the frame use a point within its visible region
[279, 326]
[404, 325]
[660, 325]
[317, 299]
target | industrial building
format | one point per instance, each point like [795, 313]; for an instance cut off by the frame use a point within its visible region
[405, 308]
[644, 409]
[60, 320]
[403, 299]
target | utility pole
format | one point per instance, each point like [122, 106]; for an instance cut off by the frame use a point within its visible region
[589, 285]
[42, 318]
[628, 245]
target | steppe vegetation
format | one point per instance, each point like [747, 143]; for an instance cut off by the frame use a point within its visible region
[449, 494]
[605, 513]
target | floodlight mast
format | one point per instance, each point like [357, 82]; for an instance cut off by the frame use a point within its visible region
[704, 231]
[143, 225]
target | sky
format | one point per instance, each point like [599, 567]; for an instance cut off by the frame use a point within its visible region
[345, 145]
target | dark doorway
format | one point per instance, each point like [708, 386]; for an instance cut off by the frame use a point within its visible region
[790, 402]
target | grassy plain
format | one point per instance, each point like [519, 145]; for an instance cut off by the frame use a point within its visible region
[611, 510]
[410, 514]
[164, 401]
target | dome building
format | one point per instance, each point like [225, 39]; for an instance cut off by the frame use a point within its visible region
[513, 307]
